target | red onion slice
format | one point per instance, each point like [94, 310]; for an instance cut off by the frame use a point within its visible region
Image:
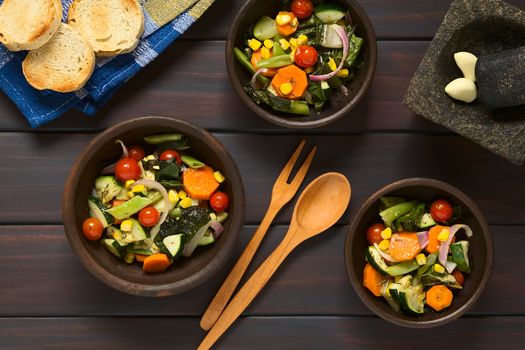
[445, 246]
[342, 35]
[124, 148]
[256, 74]
[191, 245]
[343, 89]
[217, 228]
[385, 256]
[423, 239]
[167, 204]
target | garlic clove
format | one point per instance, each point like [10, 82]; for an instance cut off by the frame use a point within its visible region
[462, 89]
[467, 63]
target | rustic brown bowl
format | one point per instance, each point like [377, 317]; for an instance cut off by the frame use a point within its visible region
[340, 105]
[186, 273]
[481, 250]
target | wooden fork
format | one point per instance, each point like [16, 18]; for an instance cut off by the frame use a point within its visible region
[282, 193]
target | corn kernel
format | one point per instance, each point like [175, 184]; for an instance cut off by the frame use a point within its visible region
[386, 233]
[302, 40]
[343, 73]
[213, 217]
[286, 88]
[173, 197]
[182, 194]
[219, 177]
[285, 45]
[293, 42]
[138, 189]
[265, 53]
[150, 157]
[186, 202]
[332, 64]
[129, 183]
[283, 19]
[126, 225]
[268, 43]
[421, 259]
[130, 194]
[443, 235]
[117, 235]
[439, 268]
[295, 22]
[384, 245]
[254, 44]
[309, 70]
[292, 54]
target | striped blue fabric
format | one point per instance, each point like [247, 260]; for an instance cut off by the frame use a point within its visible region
[40, 107]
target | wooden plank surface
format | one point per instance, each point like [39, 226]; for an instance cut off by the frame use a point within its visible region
[42, 277]
[189, 81]
[38, 164]
[255, 333]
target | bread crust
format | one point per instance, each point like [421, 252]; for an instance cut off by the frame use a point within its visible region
[112, 27]
[28, 24]
[64, 64]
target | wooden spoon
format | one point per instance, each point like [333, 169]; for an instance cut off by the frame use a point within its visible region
[321, 204]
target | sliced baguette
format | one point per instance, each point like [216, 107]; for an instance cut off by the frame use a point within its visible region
[112, 27]
[28, 24]
[64, 64]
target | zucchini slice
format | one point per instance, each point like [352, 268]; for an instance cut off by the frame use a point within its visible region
[376, 260]
[115, 247]
[329, 12]
[206, 239]
[107, 188]
[98, 210]
[412, 299]
[173, 244]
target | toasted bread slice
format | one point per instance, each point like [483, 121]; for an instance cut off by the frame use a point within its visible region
[64, 64]
[28, 24]
[112, 27]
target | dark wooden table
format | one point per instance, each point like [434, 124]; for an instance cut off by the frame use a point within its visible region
[49, 301]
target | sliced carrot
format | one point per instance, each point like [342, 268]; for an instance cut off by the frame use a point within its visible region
[293, 75]
[433, 242]
[140, 257]
[199, 183]
[373, 280]
[156, 263]
[256, 57]
[289, 28]
[459, 277]
[439, 297]
[404, 246]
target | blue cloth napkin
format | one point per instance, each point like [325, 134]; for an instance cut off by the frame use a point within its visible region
[40, 107]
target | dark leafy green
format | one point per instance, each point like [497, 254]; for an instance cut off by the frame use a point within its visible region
[189, 222]
[277, 103]
[410, 221]
[169, 171]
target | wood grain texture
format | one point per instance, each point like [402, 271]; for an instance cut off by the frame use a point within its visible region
[189, 81]
[335, 333]
[42, 277]
[392, 19]
[37, 166]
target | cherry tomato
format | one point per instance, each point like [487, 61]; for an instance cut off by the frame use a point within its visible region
[149, 216]
[127, 169]
[459, 277]
[219, 201]
[170, 154]
[136, 152]
[373, 233]
[92, 229]
[305, 56]
[441, 210]
[302, 9]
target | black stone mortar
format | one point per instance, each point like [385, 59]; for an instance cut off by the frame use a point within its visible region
[480, 27]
